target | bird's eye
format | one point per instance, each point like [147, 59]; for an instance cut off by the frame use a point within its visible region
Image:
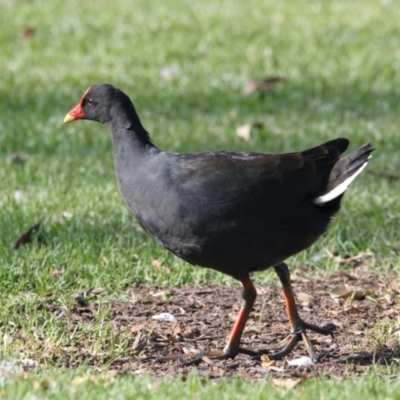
[90, 102]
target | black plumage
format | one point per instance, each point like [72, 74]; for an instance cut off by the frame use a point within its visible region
[233, 212]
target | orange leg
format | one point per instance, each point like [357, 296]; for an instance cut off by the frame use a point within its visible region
[297, 326]
[232, 348]
[249, 296]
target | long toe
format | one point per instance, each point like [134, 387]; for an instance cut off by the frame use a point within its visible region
[289, 343]
[192, 357]
[327, 330]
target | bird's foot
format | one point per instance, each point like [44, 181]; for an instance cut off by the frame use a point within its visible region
[193, 357]
[284, 347]
[281, 349]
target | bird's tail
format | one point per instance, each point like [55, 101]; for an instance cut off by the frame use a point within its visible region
[344, 172]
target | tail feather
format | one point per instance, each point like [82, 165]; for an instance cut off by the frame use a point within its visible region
[344, 172]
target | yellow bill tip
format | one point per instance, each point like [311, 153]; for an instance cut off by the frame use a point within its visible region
[69, 118]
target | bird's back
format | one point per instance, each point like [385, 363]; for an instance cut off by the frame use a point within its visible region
[236, 212]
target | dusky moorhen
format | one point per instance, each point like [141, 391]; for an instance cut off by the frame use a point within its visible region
[234, 212]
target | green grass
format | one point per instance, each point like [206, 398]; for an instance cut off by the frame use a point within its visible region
[73, 386]
[342, 64]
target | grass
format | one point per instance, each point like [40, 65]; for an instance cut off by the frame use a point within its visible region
[128, 387]
[341, 61]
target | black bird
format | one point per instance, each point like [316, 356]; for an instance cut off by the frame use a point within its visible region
[234, 212]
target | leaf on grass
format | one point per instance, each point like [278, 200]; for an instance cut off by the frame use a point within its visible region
[26, 237]
[287, 383]
[304, 298]
[344, 292]
[170, 72]
[18, 195]
[264, 86]
[356, 332]
[176, 330]
[251, 330]
[95, 291]
[301, 273]
[245, 131]
[81, 299]
[356, 260]
[136, 328]
[181, 310]
[350, 309]
[67, 214]
[27, 33]
[190, 351]
[163, 294]
[345, 274]
[79, 380]
[266, 362]
[388, 297]
[16, 159]
[106, 379]
[191, 332]
[301, 362]
[157, 264]
[139, 343]
[43, 384]
[167, 317]
[207, 360]
[6, 373]
[55, 273]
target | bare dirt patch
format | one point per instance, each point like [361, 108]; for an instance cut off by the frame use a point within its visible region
[360, 308]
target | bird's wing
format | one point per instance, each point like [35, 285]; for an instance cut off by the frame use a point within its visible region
[254, 182]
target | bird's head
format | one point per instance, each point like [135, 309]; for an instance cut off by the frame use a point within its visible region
[100, 103]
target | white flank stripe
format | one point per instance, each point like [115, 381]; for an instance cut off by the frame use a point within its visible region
[338, 190]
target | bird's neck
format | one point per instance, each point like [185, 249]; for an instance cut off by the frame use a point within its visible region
[132, 145]
[128, 129]
[133, 154]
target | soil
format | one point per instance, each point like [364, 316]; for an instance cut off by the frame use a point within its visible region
[359, 304]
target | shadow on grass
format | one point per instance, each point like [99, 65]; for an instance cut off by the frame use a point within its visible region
[385, 356]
